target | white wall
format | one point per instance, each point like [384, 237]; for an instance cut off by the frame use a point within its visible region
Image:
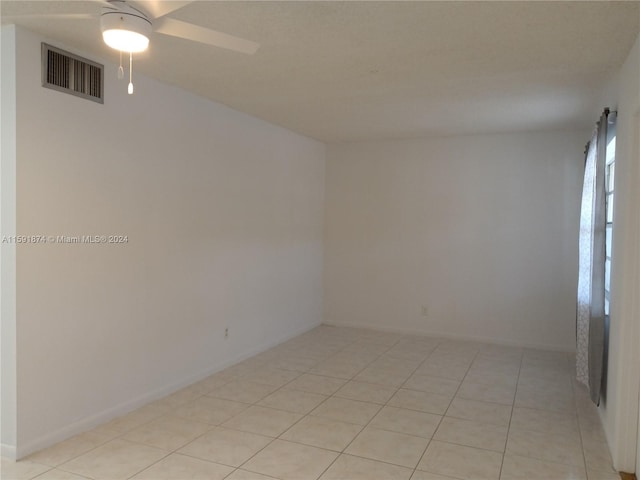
[620, 408]
[224, 215]
[482, 230]
[8, 391]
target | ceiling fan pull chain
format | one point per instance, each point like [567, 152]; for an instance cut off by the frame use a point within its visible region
[120, 69]
[130, 89]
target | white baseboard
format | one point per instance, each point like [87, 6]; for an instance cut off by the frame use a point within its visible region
[449, 336]
[8, 451]
[93, 421]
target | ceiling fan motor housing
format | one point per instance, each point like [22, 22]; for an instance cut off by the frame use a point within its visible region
[124, 28]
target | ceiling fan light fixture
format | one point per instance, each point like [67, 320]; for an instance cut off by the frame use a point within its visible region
[125, 40]
[125, 30]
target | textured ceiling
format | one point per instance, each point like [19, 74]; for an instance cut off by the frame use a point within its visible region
[344, 71]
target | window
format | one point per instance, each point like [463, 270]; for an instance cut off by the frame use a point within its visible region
[609, 178]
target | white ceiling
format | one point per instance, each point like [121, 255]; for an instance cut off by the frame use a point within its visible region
[344, 71]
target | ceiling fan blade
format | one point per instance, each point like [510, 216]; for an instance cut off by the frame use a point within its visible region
[104, 3]
[158, 8]
[195, 33]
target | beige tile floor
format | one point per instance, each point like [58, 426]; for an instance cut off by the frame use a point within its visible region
[353, 404]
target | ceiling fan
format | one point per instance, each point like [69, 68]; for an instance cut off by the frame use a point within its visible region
[126, 26]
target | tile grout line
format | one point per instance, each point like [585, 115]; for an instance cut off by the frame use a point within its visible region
[180, 447]
[513, 406]
[295, 423]
[441, 417]
[175, 451]
[445, 412]
[363, 427]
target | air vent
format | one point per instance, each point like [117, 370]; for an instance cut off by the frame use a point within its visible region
[66, 72]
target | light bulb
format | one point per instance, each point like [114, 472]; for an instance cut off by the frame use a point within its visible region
[130, 88]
